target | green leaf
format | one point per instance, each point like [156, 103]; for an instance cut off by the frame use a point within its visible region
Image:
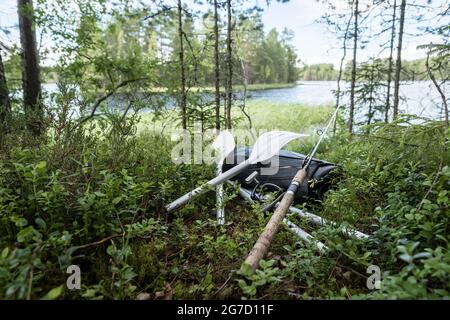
[41, 165]
[11, 290]
[260, 282]
[99, 194]
[41, 223]
[90, 293]
[54, 293]
[116, 200]
[406, 257]
[3, 272]
[422, 255]
[5, 253]
[111, 250]
[19, 222]
[25, 234]
[246, 270]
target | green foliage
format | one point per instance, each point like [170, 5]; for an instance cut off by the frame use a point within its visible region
[397, 188]
[58, 210]
[265, 274]
[369, 90]
[276, 59]
[412, 70]
[53, 212]
[91, 191]
[321, 71]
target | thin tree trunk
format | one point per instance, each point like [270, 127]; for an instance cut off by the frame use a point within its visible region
[372, 78]
[5, 102]
[229, 67]
[31, 82]
[216, 64]
[398, 66]
[353, 79]
[182, 68]
[389, 79]
[438, 88]
[341, 67]
[244, 99]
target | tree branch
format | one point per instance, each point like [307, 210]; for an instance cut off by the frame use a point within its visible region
[109, 94]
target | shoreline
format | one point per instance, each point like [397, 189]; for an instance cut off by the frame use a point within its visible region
[210, 89]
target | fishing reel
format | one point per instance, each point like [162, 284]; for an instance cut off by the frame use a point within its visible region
[259, 191]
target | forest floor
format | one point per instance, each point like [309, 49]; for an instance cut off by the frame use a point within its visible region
[98, 202]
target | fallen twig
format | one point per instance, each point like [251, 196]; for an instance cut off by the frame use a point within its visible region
[223, 285]
[96, 243]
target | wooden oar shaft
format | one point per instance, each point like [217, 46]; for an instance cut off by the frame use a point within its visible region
[262, 245]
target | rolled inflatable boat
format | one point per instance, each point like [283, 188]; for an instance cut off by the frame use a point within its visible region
[275, 175]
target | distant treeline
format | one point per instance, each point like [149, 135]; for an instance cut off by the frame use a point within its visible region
[258, 57]
[412, 70]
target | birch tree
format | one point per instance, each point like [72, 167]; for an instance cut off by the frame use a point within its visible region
[353, 74]
[5, 103]
[398, 65]
[390, 62]
[229, 90]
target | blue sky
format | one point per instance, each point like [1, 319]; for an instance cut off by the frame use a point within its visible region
[316, 44]
[313, 41]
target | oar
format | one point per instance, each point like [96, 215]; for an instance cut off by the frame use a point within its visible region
[267, 146]
[224, 145]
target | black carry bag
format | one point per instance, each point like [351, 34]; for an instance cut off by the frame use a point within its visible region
[321, 174]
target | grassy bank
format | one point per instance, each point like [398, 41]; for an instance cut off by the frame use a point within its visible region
[264, 115]
[284, 116]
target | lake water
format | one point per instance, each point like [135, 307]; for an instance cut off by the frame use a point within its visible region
[420, 98]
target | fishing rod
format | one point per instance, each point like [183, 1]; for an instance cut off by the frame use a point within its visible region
[261, 246]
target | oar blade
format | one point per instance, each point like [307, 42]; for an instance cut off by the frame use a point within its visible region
[224, 145]
[270, 143]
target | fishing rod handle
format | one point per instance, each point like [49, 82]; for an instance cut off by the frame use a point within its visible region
[261, 246]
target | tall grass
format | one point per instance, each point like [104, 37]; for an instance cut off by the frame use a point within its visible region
[265, 116]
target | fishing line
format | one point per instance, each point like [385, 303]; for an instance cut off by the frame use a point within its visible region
[310, 156]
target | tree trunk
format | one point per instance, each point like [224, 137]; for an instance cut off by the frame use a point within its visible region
[244, 100]
[371, 88]
[216, 64]
[182, 68]
[229, 67]
[31, 82]
[438, 88]
[341, 67]
[5, 102]
[389, 79]
[398, 66]
[353, 79]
